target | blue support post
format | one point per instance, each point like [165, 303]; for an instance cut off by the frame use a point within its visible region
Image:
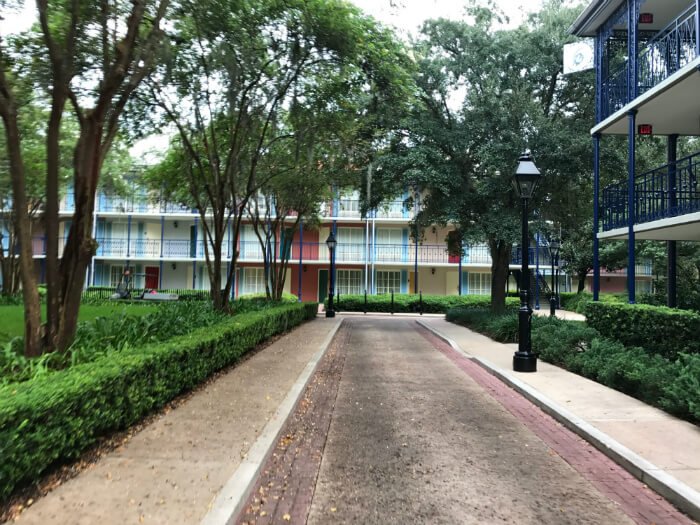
[194, 262]
[632, 49]
[301, 256]
[459, 269]
[162, 235]
[631, 168]
[128, 237]
[537, 271]
[672, 247]
[596, 216]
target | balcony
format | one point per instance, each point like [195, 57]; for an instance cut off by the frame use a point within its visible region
[665, 53]
[351, 253]
[665, 192]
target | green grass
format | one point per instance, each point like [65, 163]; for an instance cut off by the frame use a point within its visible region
[12, 317]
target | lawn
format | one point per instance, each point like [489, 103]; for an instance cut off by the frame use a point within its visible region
[12, 317]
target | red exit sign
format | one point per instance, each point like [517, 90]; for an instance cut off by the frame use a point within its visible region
[645, 129]
[646, 18]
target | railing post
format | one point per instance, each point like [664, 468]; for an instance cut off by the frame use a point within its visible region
[631, 168]
[392, 302]
[365, 310]
[421, 302]
[672, 249]
[596, 216]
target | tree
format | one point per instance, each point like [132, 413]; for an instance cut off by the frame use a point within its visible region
[487, 94]
[238, 72]
[98, 54]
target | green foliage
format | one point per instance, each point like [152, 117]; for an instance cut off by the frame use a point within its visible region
[54, 417]
[104, 335]
[577, 302]
[411, 303]
[657, 329]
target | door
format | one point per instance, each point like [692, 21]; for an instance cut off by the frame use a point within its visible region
[152, 277]
[322, 285]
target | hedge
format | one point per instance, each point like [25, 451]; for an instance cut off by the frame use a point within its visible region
[53, 418]
[411, 303]
[658, 329]
[672, 385]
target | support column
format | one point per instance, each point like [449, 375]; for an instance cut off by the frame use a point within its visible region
[672, 246]
[194, 262]
[128, 240]
[631, 212]
[301, 256]
[596, 216]
[632, 49]
[459, 269]
[537, 271]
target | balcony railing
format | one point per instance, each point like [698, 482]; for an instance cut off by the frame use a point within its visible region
[672, 48]
[669, 191]
[251, 251]
[669, 50]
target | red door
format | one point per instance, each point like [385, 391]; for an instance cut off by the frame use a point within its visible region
[152, 277]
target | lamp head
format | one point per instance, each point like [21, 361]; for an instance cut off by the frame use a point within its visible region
[526, 176]
[331, 242]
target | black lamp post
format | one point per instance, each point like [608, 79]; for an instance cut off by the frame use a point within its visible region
[331, 243]
[526, 177]
[554, 246]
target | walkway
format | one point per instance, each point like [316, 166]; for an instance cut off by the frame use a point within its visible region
[171, 471]
[394, 426]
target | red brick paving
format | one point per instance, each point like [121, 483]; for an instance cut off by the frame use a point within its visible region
[638, 501]
[284, 490]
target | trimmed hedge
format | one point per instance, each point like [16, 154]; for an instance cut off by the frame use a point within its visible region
[672, 385]
[410, 303]
[54, 418]
[657, 329]
[577, 302]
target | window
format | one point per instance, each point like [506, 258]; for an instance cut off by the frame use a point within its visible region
[390, 246]
[480, 283]
[249, 244]
[116, 272]
[253, 281]
[643, 286]
[351, 244]
[349, 205]
[388, 281]
[349, 282]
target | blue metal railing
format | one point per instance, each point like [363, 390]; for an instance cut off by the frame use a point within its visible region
[669, 50]
[669, 191]
[251, 251]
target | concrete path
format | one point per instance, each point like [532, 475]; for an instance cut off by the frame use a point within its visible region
[671, 447]
[561, 314]
[172, 470]
[414, 440]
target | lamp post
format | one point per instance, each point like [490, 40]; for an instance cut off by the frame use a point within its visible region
[331, 243]
[526, 177]
[554, 246]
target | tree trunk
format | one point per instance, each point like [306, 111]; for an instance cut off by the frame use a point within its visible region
[581, 281]
[32, 310]
[500, 263]
[53, 275]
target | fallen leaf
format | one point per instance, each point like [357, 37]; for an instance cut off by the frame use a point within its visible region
[333, 509]
[286, 517]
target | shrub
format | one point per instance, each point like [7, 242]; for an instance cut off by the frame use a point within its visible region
[577, 302]
[657, 329]
[54, 417]
[109, 334]
[411, 303]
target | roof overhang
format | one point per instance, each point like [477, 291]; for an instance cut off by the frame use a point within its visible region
[681, 228]
[671, 107]
[594, 16]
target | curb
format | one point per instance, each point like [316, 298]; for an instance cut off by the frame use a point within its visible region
[232, 497]
[681, 495]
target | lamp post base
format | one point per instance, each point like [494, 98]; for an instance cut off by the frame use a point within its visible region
[524, 362]
[330, 313]
[553, 306]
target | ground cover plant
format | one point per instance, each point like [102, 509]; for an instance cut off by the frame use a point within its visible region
[106, 328]
[53, 417]
[671, 383]
[414, 303]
